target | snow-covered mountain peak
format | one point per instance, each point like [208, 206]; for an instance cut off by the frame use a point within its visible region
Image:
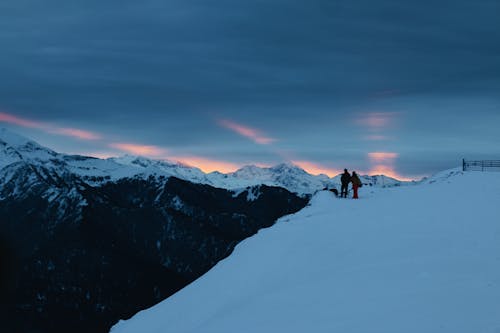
[15, 148]
[147, 163]
[139, 161]
[249, 172]
[288, 168]
[19, 142]
[284, 167]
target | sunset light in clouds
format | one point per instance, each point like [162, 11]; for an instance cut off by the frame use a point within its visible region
[49, 128]
[376, 120]
[11, 119]
[141, 150]
[75, 133]
[381, 157]
[377, 125]
[380, 162]
[383, 163]
[376, 137]
[248, 132]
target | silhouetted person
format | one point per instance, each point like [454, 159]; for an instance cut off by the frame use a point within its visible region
[345, 180]
[356, 183]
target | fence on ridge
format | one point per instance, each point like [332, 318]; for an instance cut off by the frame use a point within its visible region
[482, 165]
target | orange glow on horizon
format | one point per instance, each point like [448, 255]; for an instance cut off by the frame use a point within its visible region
[387, 171]
[137, 149]
[316, 169]
[207, 165]
[383, 164]
[250, 133]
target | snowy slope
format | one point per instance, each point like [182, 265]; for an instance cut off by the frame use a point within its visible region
[424, 258]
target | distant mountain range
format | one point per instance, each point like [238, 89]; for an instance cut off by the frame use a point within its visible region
[15, 149]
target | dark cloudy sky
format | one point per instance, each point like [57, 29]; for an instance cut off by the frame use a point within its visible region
[405, 87]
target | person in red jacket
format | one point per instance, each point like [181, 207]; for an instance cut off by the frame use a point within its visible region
[356, 183]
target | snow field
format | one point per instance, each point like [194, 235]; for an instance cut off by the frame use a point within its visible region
[424, 258]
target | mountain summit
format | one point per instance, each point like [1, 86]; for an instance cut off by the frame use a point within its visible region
[15, 148]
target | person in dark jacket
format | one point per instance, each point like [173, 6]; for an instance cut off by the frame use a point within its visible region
[345, 180]
[356, 183]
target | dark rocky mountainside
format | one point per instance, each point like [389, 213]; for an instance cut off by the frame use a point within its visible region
[77, 257]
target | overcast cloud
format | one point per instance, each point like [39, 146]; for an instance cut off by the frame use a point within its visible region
[304, 73]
